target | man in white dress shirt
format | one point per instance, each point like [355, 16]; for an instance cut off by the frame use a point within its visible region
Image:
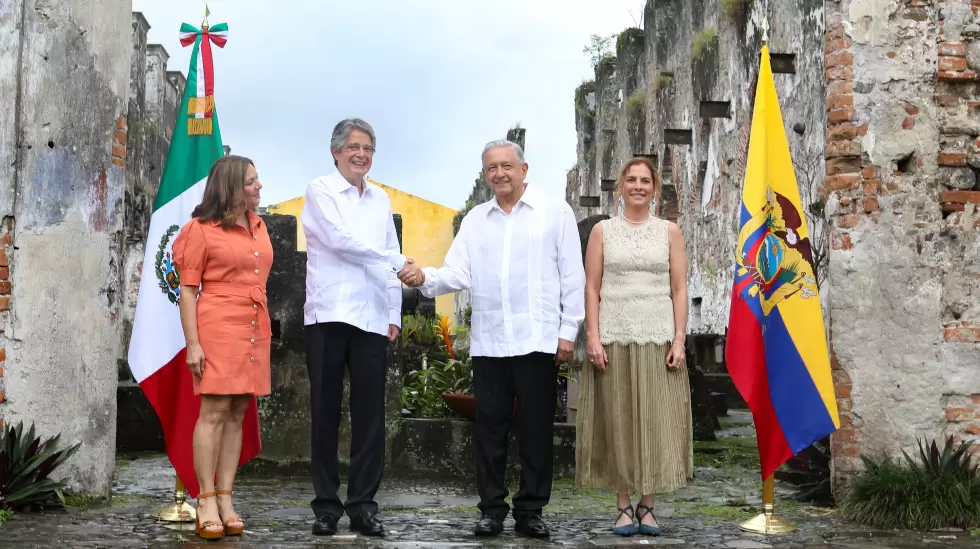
[353, 309]
[521, 257]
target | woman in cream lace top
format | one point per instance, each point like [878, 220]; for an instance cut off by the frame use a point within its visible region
[634, 423]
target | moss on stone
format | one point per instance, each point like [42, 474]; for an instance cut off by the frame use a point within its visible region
[734, 510]
[702, 40]
[581, 94]
[635, 104]
[735, 8]
[629, 37]
[606, 66]
[84, 501]
[727, 453]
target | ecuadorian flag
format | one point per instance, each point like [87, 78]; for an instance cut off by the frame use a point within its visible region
[776, 346]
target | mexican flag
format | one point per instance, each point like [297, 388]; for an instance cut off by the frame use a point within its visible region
[157, 351]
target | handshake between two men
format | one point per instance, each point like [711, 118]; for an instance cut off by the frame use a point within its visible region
[411, 274]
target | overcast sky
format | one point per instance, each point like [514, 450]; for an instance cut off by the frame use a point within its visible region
[436, 78]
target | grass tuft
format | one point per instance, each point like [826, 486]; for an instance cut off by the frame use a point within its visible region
[702, 40]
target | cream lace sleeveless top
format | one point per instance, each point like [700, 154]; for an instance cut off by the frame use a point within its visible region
[635, 304]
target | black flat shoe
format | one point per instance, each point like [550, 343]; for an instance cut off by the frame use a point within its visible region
[368, 525]
[325, 526]
[489, 525]
[531, 526]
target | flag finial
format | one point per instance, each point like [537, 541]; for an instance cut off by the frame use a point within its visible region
[207, 12]
[765, 32]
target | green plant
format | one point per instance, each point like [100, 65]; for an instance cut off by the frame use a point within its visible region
[581, 93]
[663, 80]
[734, 8]
[5, 515]
[629, 36]
[419, 329]
[635, 104]
[422, 390]
[702, 40]
[598, 49]
[941, 489]
[26, 461]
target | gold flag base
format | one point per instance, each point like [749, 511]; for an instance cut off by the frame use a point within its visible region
[767, 522]
[179, 510]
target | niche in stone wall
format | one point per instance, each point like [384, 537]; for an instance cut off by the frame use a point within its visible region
[783, 63]
[667, 207]
[678, 137]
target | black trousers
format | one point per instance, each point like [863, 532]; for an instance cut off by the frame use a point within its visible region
[330, 348]
[496, 382]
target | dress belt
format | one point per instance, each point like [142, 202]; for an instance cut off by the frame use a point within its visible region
[255, 293]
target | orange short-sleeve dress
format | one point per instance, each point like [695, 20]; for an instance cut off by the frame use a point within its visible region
[232, 267]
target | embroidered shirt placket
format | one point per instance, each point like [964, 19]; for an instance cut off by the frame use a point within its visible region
[505, 279]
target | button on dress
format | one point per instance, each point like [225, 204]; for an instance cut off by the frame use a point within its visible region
[232, 267]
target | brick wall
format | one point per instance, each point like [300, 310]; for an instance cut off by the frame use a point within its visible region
[856, 187]
[6, 289]
[903, 204]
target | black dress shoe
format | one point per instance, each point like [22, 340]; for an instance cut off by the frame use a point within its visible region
[325, 526]
[489, 525]
[531, 526]
[369, 525]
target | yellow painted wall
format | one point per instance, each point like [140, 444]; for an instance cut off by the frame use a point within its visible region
[427, 231]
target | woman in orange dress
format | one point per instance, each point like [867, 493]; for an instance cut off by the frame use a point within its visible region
[223, 256]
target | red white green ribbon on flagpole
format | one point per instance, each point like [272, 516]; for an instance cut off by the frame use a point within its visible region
[200, 108]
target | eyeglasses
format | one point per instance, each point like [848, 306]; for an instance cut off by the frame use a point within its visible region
[355, 147]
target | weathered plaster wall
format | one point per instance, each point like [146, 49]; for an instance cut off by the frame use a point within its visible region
[902, 99]
[648, 98]
[64, 80]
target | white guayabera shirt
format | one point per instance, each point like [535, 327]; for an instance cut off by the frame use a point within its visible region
[525, 273]
[352, 256]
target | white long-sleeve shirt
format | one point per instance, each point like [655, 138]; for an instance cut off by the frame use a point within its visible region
[352, 256]
[525, 273]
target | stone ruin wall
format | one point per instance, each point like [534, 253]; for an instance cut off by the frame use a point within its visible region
[691, 116]
[881, 106]
[903, 101]
[64, 83]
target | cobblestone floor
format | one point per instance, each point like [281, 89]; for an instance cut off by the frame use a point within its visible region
[441, 515]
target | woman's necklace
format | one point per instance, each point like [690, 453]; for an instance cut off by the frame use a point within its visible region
[635, 222]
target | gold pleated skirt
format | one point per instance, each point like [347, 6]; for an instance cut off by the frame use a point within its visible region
[634, 428]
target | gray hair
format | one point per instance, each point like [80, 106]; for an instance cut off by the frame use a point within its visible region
[341, 132]
[503, 143]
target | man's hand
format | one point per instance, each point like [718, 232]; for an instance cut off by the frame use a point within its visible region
[393, 332]
[565, 349]
[411, 274]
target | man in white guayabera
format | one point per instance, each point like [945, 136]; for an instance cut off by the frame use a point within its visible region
[521, 257]
[353, 309]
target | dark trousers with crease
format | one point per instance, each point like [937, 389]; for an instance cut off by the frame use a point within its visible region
[531, 379]
[332, 347]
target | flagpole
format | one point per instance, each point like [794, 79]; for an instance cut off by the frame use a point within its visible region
[767, 522]
[179, 510]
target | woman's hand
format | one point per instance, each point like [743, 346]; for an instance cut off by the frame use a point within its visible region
[195, 359]
[675, 355]
[597, 354]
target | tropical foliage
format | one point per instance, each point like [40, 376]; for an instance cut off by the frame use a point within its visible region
[26, 462]
[937, 489]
